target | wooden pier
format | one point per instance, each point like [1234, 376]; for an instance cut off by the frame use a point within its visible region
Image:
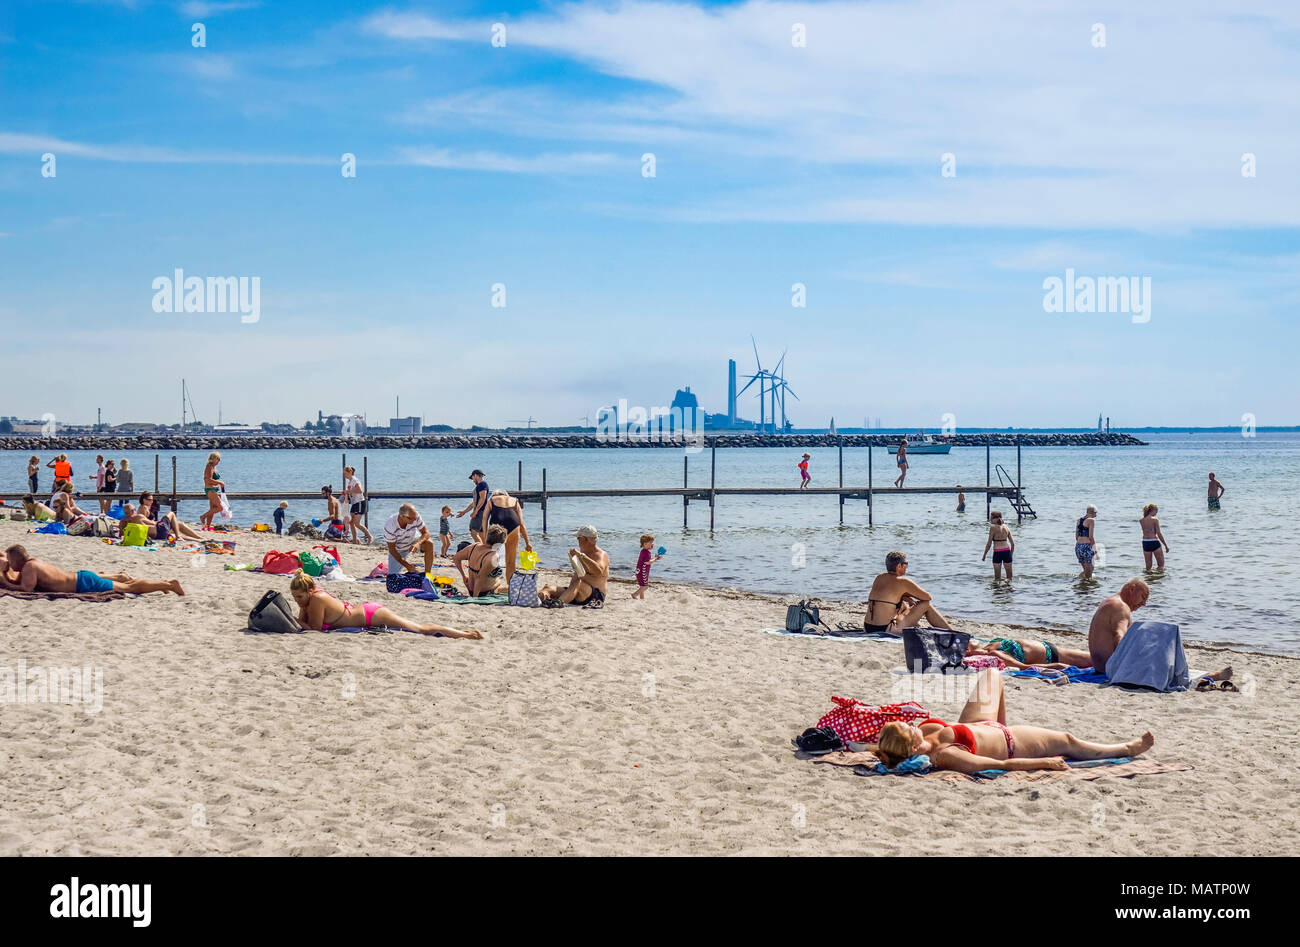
[1007, 487]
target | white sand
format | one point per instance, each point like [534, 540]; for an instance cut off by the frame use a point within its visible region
[648, 727]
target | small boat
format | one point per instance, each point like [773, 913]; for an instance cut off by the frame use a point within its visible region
[925, 444]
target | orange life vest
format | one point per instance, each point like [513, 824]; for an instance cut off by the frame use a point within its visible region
[63, 470]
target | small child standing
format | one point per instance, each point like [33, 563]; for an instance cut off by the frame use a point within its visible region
[279, 517]
[643, 566]
[444, 530]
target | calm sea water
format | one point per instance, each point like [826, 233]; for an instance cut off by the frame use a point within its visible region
[1232, 575]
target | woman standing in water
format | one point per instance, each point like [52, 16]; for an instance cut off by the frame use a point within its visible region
[1085, 540]
[1152, 538]
[1003, 545]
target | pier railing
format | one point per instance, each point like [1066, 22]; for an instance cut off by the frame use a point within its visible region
[546, 494]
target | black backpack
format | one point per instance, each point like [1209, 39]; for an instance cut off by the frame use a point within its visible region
[804, 618]
[274, 614]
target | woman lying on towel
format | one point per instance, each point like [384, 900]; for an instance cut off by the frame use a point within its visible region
[982, 740]
[321, 611]
[1023, 654]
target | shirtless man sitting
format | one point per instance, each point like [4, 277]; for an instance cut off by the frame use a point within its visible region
[37, 575]
[1112, 620]
[166, 525]
[896, 602]
[589, 584]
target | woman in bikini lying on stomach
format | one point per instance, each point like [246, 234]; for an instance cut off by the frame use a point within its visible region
[896, 602]
[321, 611]
[981, 739]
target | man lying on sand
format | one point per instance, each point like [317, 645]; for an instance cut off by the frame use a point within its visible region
[24, 574]
[896, 602]
[590, 575]
[163, 527]
[981, 739]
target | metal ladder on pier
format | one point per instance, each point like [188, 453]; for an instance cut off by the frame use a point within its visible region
[1013, 494]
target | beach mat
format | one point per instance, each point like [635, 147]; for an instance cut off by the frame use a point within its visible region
[863, 763]
[1072, 674]
[479, 600]
[73, 596]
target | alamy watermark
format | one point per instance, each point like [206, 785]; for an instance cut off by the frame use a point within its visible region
[181, 293]
[636, 424]
[1129, 294]
[53, 685]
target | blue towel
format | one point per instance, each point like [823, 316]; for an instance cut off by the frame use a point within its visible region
[1150, 655]
[913, 764]
[1073, 675]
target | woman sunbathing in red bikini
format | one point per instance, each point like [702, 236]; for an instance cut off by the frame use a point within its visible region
[321, 611]
[982, 740]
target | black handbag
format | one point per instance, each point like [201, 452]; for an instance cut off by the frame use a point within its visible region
[274, 614]
[804, 618]
[928, 649]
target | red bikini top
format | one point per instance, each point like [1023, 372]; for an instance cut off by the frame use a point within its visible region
[963, 736]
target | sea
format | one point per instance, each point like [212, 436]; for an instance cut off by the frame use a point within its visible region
[1232, 575]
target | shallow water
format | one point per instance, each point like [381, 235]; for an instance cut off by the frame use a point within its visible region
[1231, 575]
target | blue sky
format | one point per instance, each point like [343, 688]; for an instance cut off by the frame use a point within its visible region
[776, 164]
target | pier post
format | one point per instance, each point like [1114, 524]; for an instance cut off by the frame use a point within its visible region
[988, 476]
[520, 488]
[543, 501]
[342, 476]
[713, 481]
[155, 474]
[174, 484]
[871, 512]
[1019, 518]
[365, 486]
[841, 446]
[686, 482]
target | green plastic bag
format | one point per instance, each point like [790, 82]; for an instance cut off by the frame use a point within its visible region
[311, 563]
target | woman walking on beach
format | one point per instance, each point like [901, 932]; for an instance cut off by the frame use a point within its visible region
[1003, 545]
[902, 463]
[507, 512]
[212, 486]
[320, 611]
[33, 468]
[358, 504]
[1152, 538]
[1085, 540]
[982, 739]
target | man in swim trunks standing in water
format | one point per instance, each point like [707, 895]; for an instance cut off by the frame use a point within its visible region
[1216, 490]
[37, 575]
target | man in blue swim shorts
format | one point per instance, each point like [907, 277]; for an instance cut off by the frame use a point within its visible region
[20, 572]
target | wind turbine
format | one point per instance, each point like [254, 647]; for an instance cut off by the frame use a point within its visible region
[761, 375]
[530, 421]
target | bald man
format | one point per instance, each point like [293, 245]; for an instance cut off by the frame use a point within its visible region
[1112, 620]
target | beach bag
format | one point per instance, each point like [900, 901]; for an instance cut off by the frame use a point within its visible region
[331, 550]
[135, 534]
[803, 618]
[81, 526]
[927, 649]
[280, 563]
[225, 507]
[105, 526]
[853, 720]
[274, 614]
[116, 512]
[398, 581]
[523, 590]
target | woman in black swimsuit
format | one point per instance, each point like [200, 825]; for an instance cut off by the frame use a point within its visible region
[896, 602]
[480, 565]
[505, 511]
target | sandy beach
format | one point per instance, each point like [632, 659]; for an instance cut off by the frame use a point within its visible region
[656, 727]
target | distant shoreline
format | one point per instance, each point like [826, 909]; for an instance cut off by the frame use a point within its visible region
[532, 442]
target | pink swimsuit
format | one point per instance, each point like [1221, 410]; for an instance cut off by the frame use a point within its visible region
[369, 608]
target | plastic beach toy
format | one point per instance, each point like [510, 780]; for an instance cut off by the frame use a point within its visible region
[315, 522]
[527, 560]
[661, 551]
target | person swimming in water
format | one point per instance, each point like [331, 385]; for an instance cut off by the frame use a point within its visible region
[1152, 538]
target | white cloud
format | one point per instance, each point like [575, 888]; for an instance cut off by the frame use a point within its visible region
[200, 9]
[491, 161]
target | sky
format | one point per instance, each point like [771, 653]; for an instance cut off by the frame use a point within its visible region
[920, 169]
